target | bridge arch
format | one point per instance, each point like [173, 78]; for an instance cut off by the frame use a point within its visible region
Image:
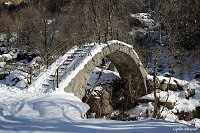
[125, 60]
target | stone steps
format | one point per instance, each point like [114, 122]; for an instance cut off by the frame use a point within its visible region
[51, 81]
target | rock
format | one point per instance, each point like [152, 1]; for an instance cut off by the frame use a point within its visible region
[27, 56]
[163, 85]
[158, 91]
[168, 75]
[159, 69]
[1, 59]
[173, 87]
[169, 105]
[187, 116]
[101, 104]
[106, 101]
[179, 86]
[197, 76]
[7, 57]
[191, 93]
[150, 84]
[171, 72]
[15, 81]
[135, 22]
[198, 112]
[3, 76]
[22, 56]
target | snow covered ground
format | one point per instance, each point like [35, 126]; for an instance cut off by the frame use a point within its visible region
[23, 111]
[65, 113]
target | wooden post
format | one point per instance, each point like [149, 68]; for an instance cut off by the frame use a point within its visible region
[30, 75]
[74, 66]
[57, 78]
[39, 68]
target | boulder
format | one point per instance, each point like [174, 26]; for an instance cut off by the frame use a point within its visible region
[101, 104]
[197, 76]
[187, 116]
[168, 75]
[173, 87]
[179, 86]
[7, 57]
[190, 92]
[106, 101]
[3, 76]
[169, 105]
[198, 112]
[1, 59]
[163, 85]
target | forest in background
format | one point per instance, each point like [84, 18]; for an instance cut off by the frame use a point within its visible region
[41, 25]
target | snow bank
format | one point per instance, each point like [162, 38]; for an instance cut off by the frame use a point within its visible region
[51, 107]
[140, 110]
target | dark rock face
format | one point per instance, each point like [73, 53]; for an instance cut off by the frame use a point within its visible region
[197, 76]
[101, 104]
[191, 93]
[3, 76]
[198, 112]
[135, 23]
[22, 56]
[112, 98]
[187, 116]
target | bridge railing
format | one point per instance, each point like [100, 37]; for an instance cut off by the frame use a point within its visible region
[52, 55]
[72, 67]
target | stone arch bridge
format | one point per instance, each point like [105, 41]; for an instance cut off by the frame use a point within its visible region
[71, 72]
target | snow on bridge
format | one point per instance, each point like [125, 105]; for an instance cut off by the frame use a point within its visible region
[71, 72]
